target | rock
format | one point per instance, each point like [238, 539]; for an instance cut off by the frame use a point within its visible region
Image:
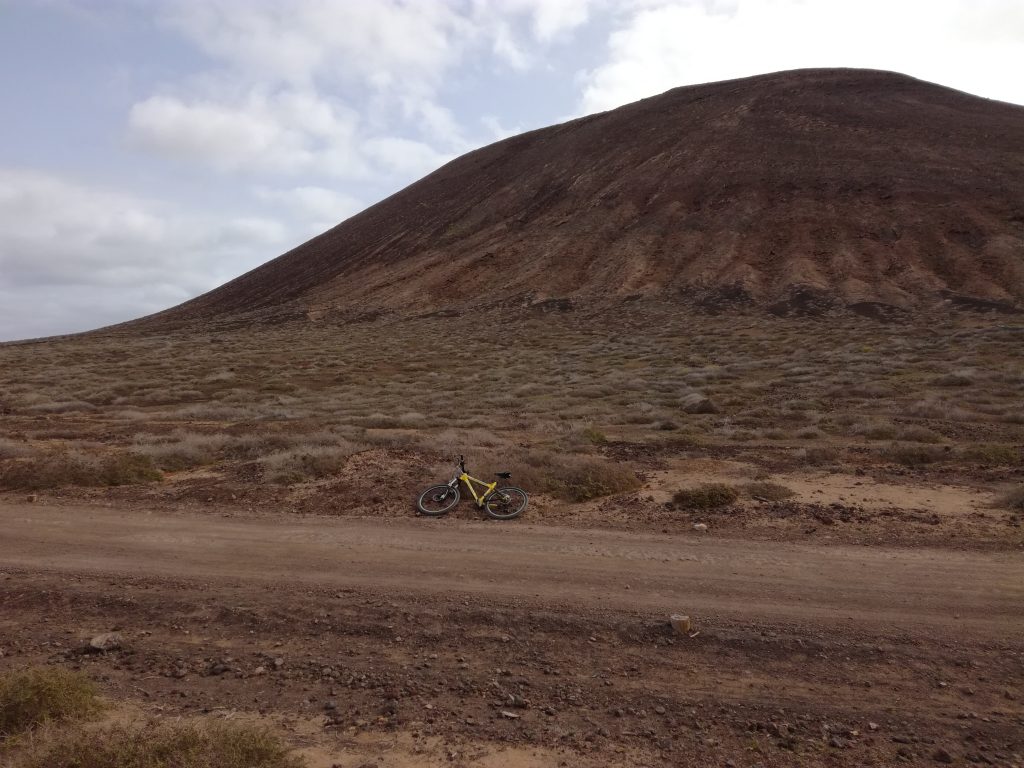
[696, 402]
[837, 742]
[700, 527]
[660, 710]
[108, 641]
[872, 726]
[680, 623]
[32, 497]
[330, 704]
[509, 715]
[218, 668]
[942, 756]
[260, 671]
[278, 662]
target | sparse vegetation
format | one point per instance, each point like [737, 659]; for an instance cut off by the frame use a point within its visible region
[62, 468]
[993, 455]
[161, 745]
[1013, 499]
[31, 697]
[320, 404]
[574, 478]
[768, 490]
[707, 496]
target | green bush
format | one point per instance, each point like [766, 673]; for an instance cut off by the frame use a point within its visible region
[707, 496]
[38, 695]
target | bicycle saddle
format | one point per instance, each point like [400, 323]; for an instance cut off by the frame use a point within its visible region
[505, 475]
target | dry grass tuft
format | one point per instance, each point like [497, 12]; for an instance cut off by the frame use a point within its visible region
[1013, 499]
[913, 455]
[162, 745]
[573, 478]
[707, 496]
[38, 695]
[62, 468]
[993, 455]
[769, 491]
[310, 462]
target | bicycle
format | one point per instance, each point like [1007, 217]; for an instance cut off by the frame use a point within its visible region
[499, 503]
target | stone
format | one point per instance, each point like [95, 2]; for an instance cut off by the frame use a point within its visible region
[700, 527]
[680, 623]
[108, 641]
[942, 756]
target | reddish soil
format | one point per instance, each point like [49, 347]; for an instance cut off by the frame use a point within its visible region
[797, 191]
[454, 642]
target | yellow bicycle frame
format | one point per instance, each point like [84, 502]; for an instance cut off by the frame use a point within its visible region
[465, 478]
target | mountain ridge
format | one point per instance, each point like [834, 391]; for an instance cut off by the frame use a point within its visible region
[793, 191]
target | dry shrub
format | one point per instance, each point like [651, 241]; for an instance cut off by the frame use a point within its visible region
[162, 745]
[12, 449]
[914, 434]
[63, 468]
[992, 455]
[768, 490]
[875, 430]
[913, 455]
[1013, 499]
[573, 478]
[31, 697]
[309, 462]
[707, 496]
[817, 456]
[181, 450]
[963, 378]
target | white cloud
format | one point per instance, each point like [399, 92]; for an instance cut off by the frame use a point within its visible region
[661, 45]
[74, 256]
[289, 132]
[315, 209]
[404, 156]
[385, 43]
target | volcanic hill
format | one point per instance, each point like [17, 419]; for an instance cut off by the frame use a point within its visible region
[795, 190]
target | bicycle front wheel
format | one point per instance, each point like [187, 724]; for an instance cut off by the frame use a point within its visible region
[506, 503]
[437, 500]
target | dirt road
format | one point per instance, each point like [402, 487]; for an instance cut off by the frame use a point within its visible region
[457, 616]
[906, 589]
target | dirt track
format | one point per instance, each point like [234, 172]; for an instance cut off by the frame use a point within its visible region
[427, 630]
[905, 589]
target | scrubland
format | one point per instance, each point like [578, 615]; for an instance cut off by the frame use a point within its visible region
[638, 404]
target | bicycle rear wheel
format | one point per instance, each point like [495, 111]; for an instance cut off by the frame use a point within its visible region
[437, 500]
[506, 503]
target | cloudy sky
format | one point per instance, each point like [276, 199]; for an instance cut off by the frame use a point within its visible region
[153, 149]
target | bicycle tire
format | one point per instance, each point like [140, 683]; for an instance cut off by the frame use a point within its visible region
[446, 491]
[506, 503]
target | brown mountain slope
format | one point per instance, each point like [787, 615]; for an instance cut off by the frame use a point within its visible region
[845, 185]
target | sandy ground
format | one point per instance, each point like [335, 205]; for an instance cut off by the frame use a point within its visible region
[440, 642]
